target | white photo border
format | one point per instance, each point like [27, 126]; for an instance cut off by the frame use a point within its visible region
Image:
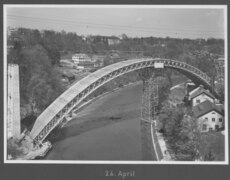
[224, 7]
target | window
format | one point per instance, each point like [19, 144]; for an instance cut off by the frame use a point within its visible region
[206, 119]
[204, 128]
[216, 127]
[213, 113]
[213, 119]
[220, 119]
[198, 101]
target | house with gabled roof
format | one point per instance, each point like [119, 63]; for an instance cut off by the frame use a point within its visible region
[209, 115]
[200, 95]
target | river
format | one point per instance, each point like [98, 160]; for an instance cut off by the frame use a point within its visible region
[107, 129]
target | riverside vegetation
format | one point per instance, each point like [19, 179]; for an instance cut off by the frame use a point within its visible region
[38, 55]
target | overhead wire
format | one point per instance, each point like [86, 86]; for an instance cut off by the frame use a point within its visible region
[110, 26]
[93, 23]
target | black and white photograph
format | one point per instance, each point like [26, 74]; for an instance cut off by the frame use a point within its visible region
[117, 84]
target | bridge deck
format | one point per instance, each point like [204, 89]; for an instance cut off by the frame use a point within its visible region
[70, 93]
[54, 108]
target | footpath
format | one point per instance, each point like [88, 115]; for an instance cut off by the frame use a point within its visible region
[163, 147]
[160, 139]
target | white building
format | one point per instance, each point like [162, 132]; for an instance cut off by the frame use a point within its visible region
[210, 117]
[80, 57]
[200, 95]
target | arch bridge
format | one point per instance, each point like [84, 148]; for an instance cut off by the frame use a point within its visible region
[72, 97]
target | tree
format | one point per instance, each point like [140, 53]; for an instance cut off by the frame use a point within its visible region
[188, 144]
[39, 83]
[221, 91]
[204, 61]
[209, 156]
[172, 122]
[13, 149]
[107, 60]
[163, 90]
[182, 133]
[173, 49]
[52, 44]
[124, 37]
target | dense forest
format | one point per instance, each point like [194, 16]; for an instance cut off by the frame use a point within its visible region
[38, 55]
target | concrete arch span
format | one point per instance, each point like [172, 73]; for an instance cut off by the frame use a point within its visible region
[72, 97]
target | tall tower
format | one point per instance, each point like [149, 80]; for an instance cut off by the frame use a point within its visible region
[148, 113]
[13, 102]
[150, 99]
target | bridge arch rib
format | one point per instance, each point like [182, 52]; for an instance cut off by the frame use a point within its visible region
[73, 96]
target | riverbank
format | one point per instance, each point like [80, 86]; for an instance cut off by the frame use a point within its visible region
[103, 129]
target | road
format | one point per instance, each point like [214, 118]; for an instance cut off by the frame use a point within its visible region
[108, 129]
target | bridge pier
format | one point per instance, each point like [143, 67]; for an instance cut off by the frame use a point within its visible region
[13, 102]
[148, 114]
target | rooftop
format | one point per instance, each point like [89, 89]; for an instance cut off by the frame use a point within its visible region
[199, 91]
[205, 107]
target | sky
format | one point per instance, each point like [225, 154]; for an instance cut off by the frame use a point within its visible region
[134, 21]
